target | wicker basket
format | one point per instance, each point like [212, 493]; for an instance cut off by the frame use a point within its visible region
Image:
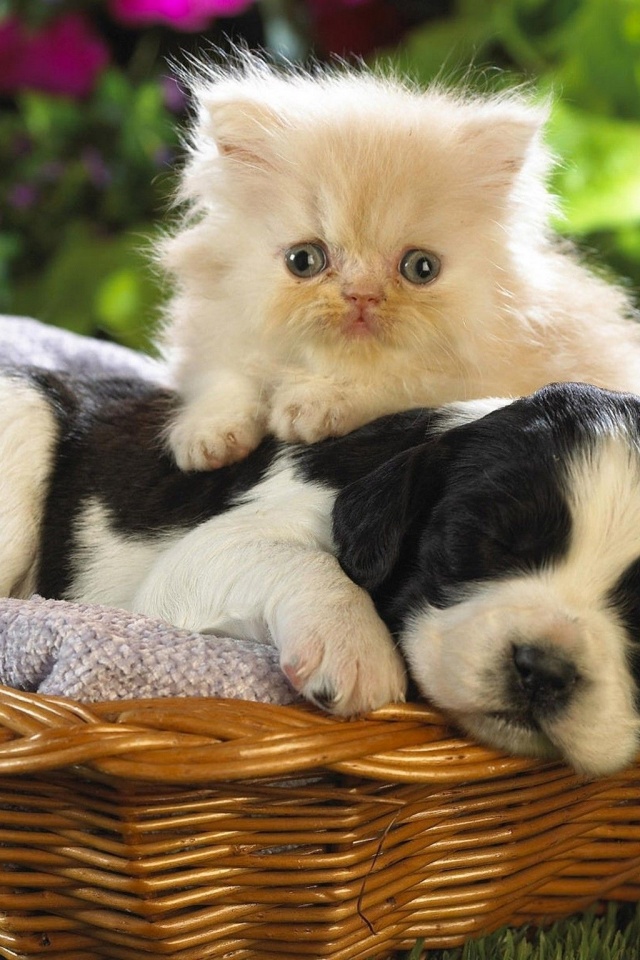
[211, 828]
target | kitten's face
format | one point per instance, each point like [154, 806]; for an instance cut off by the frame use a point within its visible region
[378, 245]
[365, 219]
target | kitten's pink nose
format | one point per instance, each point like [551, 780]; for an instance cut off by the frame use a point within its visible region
[363, 296]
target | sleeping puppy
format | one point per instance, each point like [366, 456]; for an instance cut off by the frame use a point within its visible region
[500, 543]
[504, 554]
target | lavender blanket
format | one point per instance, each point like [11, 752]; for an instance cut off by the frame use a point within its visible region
[96, 653]
[99, 653]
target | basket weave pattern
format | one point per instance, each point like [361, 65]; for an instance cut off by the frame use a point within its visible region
[196, 829]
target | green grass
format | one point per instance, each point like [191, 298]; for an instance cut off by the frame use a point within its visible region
[610, 935]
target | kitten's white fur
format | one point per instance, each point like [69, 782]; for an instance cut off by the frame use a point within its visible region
[371, 168]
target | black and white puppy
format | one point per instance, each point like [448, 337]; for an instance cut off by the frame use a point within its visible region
[500, 542]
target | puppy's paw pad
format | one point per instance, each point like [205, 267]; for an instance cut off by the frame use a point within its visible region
[343, 677]
[324, 697]
[297, 669]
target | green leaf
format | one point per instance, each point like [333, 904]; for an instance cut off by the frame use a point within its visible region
[119, 299]
[94, 283]
[416, 952]
[446, 47]
[600, 66]
[599, 176]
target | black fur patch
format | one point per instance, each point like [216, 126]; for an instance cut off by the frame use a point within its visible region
[111, 448]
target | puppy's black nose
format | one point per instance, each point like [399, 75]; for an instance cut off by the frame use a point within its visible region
[544, 676]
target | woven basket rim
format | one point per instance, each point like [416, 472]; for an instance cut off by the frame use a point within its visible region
[199, 739]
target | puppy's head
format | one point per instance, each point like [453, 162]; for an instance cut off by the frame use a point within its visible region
[505, 553]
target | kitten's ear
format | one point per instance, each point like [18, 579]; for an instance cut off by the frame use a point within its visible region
[373, 515]
[241, 127]
[501, 138]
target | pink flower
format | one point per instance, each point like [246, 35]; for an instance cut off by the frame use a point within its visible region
[359, 27]
[65, 56]
[180, 14]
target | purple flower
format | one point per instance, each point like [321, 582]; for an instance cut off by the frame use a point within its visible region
[22, 196]
[65, 56]
[179, 14]
[96, 169]
[173, 94]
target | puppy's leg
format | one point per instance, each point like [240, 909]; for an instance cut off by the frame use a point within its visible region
[232, 579]
[28, 432]
[333, 646]
[221, 424]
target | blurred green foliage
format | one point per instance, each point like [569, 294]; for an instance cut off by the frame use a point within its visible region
[586, 55]
[85, 184]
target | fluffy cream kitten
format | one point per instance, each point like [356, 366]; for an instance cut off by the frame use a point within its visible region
[354, 246]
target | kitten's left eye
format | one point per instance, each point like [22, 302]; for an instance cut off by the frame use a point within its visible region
[306, 259]
[419, 266]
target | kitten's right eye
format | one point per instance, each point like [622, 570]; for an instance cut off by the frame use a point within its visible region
[306, 259]
[419, 266]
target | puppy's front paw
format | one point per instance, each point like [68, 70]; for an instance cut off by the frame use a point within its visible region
[346, 668]
[203, 443]
[307, 412]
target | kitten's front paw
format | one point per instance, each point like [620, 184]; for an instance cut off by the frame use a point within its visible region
[308, 412]
[203, 443]
[345, 667]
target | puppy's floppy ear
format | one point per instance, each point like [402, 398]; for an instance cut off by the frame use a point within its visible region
[372, 516]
